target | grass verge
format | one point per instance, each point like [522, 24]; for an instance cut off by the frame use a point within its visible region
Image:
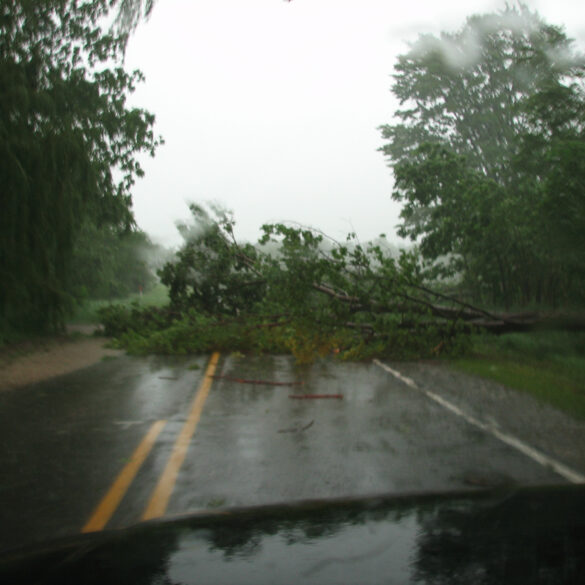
[548, 365]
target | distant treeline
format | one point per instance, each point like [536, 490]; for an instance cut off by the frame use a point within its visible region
[110, 265]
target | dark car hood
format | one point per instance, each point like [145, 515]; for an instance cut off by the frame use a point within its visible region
[528, 536]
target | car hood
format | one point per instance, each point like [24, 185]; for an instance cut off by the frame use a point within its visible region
[527, 535]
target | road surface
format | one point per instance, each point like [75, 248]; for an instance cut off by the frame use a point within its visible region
[130, 439]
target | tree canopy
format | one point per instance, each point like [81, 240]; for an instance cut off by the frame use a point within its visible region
[68, 145]
[486, 151]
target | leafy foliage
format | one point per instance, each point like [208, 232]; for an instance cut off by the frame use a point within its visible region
[211, 271]
[68, 143]
[290, 293]
[487, 156]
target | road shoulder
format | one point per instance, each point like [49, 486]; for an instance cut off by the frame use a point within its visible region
[548, 429]
[33, 362]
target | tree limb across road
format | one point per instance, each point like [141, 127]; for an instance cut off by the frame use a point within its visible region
[295, 292]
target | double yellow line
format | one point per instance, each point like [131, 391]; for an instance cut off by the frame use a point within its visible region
[159, 499]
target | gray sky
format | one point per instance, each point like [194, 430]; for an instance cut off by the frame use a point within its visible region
[271, 108]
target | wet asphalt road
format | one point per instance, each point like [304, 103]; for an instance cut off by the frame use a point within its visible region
[64, 442]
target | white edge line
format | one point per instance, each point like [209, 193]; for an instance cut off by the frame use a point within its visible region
[544, 460]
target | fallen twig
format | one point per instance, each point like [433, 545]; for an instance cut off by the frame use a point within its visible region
[315, 396]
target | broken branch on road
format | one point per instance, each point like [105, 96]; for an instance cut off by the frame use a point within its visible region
[260, 382]
[316, 396]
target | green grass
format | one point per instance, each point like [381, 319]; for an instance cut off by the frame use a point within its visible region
[548, 365]
[87, 312]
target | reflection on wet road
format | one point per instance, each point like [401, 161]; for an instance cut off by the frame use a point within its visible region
[69, 444]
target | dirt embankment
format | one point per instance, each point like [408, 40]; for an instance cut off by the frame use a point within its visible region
[38, 360]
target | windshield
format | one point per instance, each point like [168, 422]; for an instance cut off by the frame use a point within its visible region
[259, 253]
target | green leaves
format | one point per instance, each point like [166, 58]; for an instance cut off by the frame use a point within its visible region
[211, 272]
[69, 142]
[477, 155]
[296, 291]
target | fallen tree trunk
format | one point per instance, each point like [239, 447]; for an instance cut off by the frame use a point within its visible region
[494, 322]
[532, 322]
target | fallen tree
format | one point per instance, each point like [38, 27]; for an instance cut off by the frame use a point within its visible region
[299, 291]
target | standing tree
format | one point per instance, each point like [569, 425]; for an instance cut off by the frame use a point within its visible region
[68, 143]
[474, 188]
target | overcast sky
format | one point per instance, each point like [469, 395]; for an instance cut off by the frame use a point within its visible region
[271, 108]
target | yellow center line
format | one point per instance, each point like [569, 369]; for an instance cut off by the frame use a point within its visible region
[113, 497]
[162, 492]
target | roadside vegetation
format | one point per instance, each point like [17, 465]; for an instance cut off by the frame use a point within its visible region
[548, 365]
[69, 142]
